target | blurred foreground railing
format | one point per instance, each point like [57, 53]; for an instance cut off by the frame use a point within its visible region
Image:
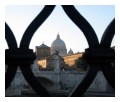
[97, 55]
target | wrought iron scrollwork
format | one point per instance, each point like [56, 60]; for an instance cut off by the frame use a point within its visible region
[108, 69]
[98, 54]
[94, 48]
[24, 56]
[12, 44]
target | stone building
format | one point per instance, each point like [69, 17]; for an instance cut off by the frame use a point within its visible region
[51, 61]
[69, 61]
[42, 51]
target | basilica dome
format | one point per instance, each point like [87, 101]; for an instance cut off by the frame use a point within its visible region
[59, 46]
[70, 52]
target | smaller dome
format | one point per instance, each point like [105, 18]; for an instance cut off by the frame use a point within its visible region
[70, 52]
[43, 46]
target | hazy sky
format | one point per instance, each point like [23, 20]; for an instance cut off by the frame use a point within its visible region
[19, 17]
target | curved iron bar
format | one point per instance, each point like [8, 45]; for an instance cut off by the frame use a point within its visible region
[10, 38]
[42, 16]
[106, 40]
[92, 40]
[86, 82]
[33, 82]
[83, 24]
[9, 75]
[12, 44]
[108, 35]
[25, 44]
[109, 74]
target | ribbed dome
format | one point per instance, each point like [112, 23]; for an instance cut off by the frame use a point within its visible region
[58, 45]
[58, 42]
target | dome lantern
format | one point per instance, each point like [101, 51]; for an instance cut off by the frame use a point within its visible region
[58, 36]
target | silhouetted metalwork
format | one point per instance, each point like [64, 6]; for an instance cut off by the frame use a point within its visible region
[12, 44]
[96, 55]
[108, 70]
[82, 24]
[42, 16]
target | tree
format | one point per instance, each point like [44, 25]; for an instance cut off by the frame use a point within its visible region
[81, 64]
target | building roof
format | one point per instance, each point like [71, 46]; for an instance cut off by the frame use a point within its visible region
[43, 46]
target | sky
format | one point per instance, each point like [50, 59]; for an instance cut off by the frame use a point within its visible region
[18, 17]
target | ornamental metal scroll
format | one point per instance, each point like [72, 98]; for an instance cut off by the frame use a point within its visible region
[24, 57]
[27, 53]
[94, 48]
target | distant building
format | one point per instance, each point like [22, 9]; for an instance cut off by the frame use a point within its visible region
[70, 60]
[70, 52]
[45, 55]
[42, 51]
[51, 61]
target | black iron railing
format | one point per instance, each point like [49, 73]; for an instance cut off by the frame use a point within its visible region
[98, 54]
